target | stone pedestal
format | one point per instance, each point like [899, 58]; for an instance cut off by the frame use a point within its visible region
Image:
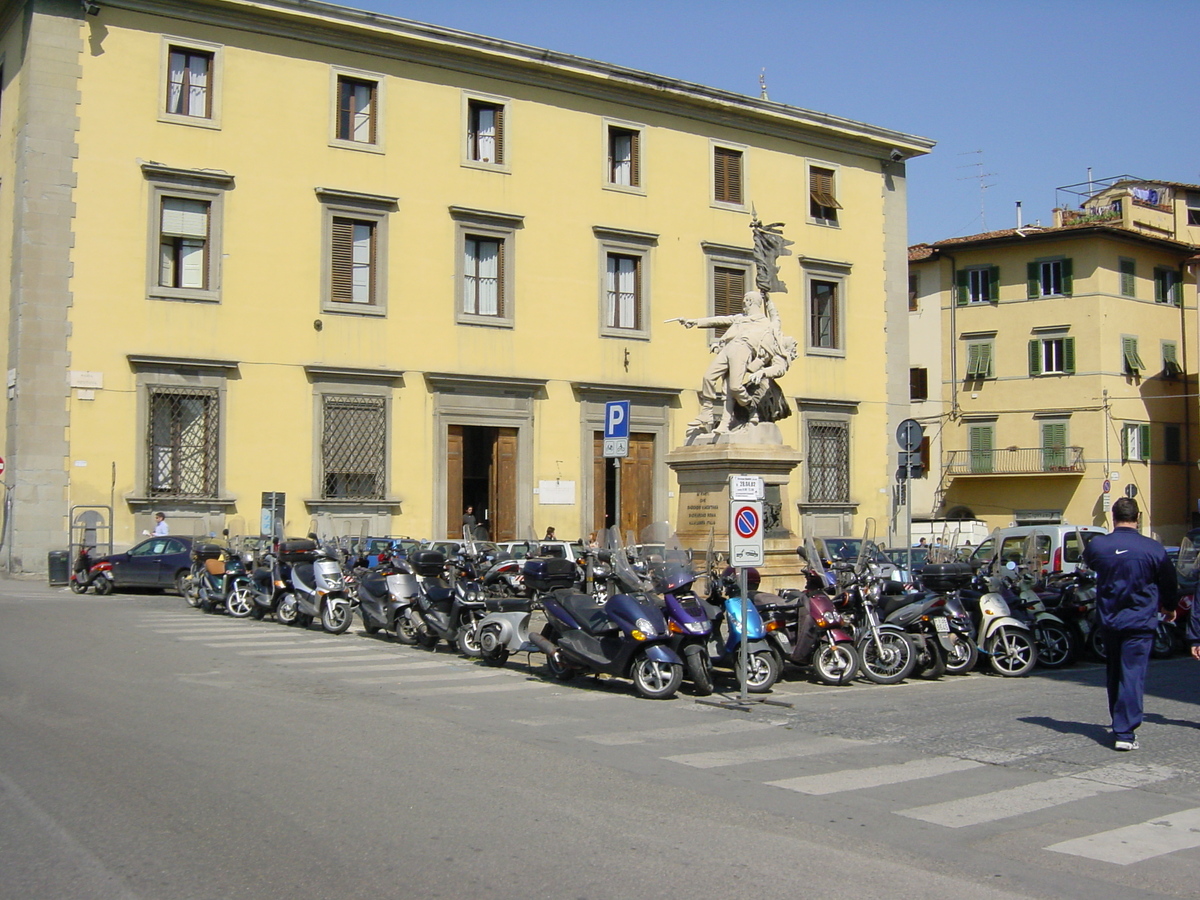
[703, 471]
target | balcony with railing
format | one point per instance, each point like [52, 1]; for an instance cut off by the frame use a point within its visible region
[1016, 461]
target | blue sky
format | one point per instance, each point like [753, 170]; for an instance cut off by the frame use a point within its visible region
[1045, 89]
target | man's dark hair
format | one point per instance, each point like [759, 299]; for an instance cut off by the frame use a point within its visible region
[1125, 510]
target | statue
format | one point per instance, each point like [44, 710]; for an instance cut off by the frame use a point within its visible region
[752, 354]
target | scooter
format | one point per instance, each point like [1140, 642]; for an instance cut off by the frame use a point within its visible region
[317, 589]
[728, 631]
[81, 574]
[443, 611]
[262, 591]
[505, 628]
[385, 595]
[626, 636]
[1006, 641]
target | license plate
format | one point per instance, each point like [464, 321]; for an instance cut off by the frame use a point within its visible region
[941, 625]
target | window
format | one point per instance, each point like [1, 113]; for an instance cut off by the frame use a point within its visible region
[185, 233]
[914, 292]
[1166, 286]
[485, 132]
[624, 166]
[1129, 356]
[1049, 278]
[727, 176]
[1054, 446]
[822, 198]
[1128, 277]
[483, 276]
[981, 440]
[1170, 360]
[918, 384]
[828, 462]
[182, 442]
[1052, 356]
[355, 259]
[624, 282]
[1193, 209]
[729, 287]
[824, 316]
[486, 247]
[357, 110]
[979, 360]
[353, 447]
[1172, 443]
[189, 82]
[1135, 442]
[980, 284]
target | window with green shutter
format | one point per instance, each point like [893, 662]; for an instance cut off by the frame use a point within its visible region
[1049, 278]
[1054, 446]
[1128, 277]
[981, 439]
[979, 360]
[1135, 442]
[1052, 356]
[1170, 355]
[1166, 286]
[1129, 354]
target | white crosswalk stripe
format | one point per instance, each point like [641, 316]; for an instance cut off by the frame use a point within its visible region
[875, 776]
[480, 689]
[712, 759]
[682, 731]
[1136, 843]
[292, 650]
[322, 660]
[232, 637]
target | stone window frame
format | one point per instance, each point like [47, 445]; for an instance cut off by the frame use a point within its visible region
[608, 126]
[835, 172]
[373, 208]
[623, 242]
[724, 256]
[216, 81]
[480, 223]
[186, 184]
[379, 81]
[744, 179]
[839, 274]
[503, 144]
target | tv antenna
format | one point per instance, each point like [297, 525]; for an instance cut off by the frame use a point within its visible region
[980, 176]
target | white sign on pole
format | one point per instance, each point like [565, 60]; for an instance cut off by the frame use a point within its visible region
[746, 487]
[745, 533]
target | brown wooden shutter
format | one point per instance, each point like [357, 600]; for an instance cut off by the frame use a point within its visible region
[503, 500]
[727, 175]
[501, 299]
[637, 291]
[820, 186]
[342, 260]
[729, 287]
[499, 135]
[599, 483]
[454, 481]
[635, 159]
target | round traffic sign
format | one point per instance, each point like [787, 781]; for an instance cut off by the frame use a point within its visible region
[1, 465]
[909, 435]
[746, 522]
[1107, 485]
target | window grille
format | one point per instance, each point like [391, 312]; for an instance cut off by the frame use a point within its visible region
[353, 444]
[829, 462]
[183, 442]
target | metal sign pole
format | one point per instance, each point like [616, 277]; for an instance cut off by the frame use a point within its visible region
[744, 650]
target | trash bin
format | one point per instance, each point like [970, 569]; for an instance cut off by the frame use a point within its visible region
[59, 566]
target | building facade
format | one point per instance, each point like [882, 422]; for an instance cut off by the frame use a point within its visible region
[380, 271]
[1067, 363]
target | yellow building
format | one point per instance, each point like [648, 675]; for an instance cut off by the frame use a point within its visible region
[385, 271]
[1066, 368]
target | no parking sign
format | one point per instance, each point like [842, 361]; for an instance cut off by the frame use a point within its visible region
[745, 533]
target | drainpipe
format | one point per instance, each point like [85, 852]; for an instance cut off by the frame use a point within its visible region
[953, 334]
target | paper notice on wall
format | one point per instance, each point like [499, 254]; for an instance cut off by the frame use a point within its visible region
[556, 493]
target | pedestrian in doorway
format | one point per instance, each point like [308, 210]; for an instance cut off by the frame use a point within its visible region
[592, 543]
[922, 543]
[160, 526]
[468, 519]
[1135, 580]
[550, 534]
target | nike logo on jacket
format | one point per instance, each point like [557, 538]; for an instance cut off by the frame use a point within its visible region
[1134, 577]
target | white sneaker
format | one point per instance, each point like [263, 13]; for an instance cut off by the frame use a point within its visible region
[1126, 745]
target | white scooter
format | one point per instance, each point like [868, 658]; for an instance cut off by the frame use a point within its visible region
[317, 588]
[1005, 640]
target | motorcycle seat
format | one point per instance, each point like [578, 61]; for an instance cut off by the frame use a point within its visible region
[507, 604]
[889, 603]
[591, 618]
[374, 586]
[439, 594]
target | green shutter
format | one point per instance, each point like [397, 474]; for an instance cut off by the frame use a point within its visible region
[1069, 355]
[1035, 357]
[1177, 289]
[1033, 280]
[985, 360]
[981, 448]
[1068, 270]
[1128, 278]
[994, 283]
[1144, 440]
[960, 287]
[1054, 443]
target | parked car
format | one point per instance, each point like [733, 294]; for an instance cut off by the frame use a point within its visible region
[847, 549]
[157, 562]
[572, 550]
[1058, 545]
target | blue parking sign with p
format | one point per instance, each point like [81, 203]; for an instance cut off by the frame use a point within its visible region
[616, 419]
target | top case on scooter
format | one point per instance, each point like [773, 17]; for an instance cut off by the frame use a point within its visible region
[375, 586]
[427, 562]
[583, 609]
[550, 574]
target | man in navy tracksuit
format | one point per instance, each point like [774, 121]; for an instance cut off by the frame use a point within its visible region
[1134, 580]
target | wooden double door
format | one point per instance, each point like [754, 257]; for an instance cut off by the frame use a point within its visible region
[481, 472]
[637, 485]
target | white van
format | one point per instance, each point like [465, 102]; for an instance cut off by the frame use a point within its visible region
[1058, 545]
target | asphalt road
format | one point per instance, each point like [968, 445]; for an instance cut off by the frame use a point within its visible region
[148, 750]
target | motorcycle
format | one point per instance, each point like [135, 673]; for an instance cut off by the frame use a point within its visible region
[317, 589]
[1008, 643]
[443, 611]
[504, 630]
[385, 596]
[81, 571]
[625, 636]
[216, 577]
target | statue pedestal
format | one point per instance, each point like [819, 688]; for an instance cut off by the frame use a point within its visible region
[703, 471]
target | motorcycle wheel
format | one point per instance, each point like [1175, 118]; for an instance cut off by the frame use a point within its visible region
[257, 613]
[559, 667]
[287, 611]
[656, 680]
[1164, 641]
[336, 616]
[963, 658]
[699, 672]
[185, 585]
[467, 639]
[889, 662]
[239, 603]
[426, 638]
[370, 627]
[1012, 652]
[104, 586]
[931, 660]
[764, 672]
[491, 648]
[835, 663]
[1055, 647]
[78, 587]
[406, 631]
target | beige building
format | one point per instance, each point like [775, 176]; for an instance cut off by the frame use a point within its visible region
[407, 278]
[1066, 363]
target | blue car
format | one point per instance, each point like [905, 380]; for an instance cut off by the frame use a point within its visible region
[157, 562]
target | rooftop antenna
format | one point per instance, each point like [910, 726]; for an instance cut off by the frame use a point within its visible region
[981, 176]
[762, 84]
